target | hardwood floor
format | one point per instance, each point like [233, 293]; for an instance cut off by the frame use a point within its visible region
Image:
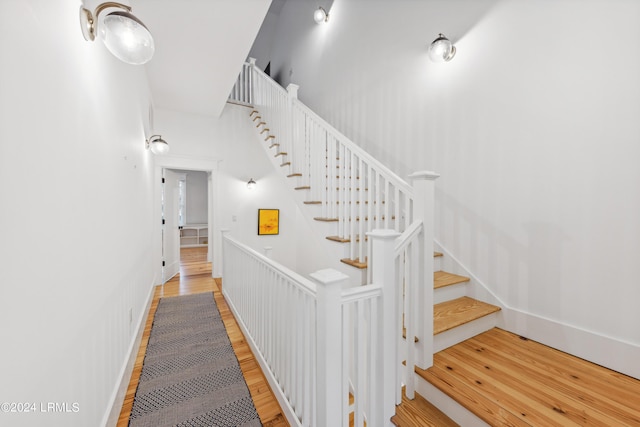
[420, 413]
[195, 277]
[506, 379]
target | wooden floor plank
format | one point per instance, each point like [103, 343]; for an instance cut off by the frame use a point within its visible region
[510, 380]
[420, 413]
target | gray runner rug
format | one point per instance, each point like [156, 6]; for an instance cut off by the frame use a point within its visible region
[191, 376]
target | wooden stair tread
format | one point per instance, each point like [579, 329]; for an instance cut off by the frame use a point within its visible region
[404, 336]
[437, 254]
[312, 202]
[506, 379]
[355, 263]
[291, 175]
[285, 164]
[442, 278]
[420, 413]
[366, 218]
[304, 187]
[282, 153]
[275, 144]
[449, 314]
[325, 219]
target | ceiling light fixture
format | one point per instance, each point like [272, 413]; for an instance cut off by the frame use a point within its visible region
[251, 184]
[320, 15]
[441, 49]
[126, 37]
[157, 145]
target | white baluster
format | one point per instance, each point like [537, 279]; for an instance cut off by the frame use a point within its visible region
[423, 209]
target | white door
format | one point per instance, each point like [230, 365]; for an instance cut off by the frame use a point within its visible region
[170, 231]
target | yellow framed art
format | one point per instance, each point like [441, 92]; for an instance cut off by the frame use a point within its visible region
[268, 221]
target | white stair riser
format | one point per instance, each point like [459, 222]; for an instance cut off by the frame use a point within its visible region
[464, 332]
[437, 263]
[449, 293]
[450, 407]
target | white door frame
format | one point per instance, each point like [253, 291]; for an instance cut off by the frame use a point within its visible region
[195, 164]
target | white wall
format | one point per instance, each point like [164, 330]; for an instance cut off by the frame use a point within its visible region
[232, 142]
[533, 127]
[196, 196]
[76, 200]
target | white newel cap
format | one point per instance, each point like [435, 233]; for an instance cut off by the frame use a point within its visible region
[328, 276]
[424, 175]
[384, 233]
[252, 61]
[292, 89]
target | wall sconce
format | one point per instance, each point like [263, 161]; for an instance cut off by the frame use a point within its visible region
[157, 145]
[126, 37]
[441, 49]
[251, 184]
[320, 15]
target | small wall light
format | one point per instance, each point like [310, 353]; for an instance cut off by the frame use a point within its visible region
[441, 49]
[320, 15]
[251, 184]
[126, 37]
[157, 145]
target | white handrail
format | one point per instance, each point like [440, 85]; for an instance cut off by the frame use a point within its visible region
[407, 236]
[353, 188]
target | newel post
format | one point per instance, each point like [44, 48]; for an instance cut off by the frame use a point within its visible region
[252, 65]
[267, 251]
[383, 273]
[292, 90]
[329, 346]
[423, 209]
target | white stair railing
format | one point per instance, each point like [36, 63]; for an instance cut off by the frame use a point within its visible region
[363, 195]
[315, 341]
[353, 187]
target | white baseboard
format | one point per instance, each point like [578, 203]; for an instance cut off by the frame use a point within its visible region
[609, 352]
[117, 397]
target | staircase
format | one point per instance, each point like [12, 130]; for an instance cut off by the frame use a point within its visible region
[355, 197]
[348, 194]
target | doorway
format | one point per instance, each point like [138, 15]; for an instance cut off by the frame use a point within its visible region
[185, 218]
[167, 250]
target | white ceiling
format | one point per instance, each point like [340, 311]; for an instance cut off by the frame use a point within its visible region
[200, 47]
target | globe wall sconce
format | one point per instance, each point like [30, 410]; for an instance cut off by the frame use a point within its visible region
[441, 49]
[157, 145]
[320, 15]
[126, 37]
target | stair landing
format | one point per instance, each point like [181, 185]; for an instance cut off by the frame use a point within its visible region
[506, 379]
